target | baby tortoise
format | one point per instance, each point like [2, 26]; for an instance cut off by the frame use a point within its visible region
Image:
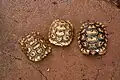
[92, 38]
[61, 33]
[34, 46]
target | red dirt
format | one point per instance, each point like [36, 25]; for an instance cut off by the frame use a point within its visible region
[18, 17]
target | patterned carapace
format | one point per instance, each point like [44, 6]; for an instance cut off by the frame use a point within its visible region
[60, 33]
[34, 46]
[92, 38]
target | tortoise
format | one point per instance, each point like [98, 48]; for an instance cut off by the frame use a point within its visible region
[92, 38]
[60, 33]
[34, 46]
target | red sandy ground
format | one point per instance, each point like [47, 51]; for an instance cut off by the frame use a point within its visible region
[18, 17]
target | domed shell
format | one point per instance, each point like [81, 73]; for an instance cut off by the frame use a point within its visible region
[61, 33]
[34, 46]
[92, 38]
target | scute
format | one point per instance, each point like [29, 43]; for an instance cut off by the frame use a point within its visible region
[34, 46]
[60, 33]
[92, 38]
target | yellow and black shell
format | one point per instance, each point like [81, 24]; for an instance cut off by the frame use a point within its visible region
[61, 33]
[34, 46]
[92, 38]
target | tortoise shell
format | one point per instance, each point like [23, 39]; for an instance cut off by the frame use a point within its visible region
[34, 46]
[60, 33]
[92, 38]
